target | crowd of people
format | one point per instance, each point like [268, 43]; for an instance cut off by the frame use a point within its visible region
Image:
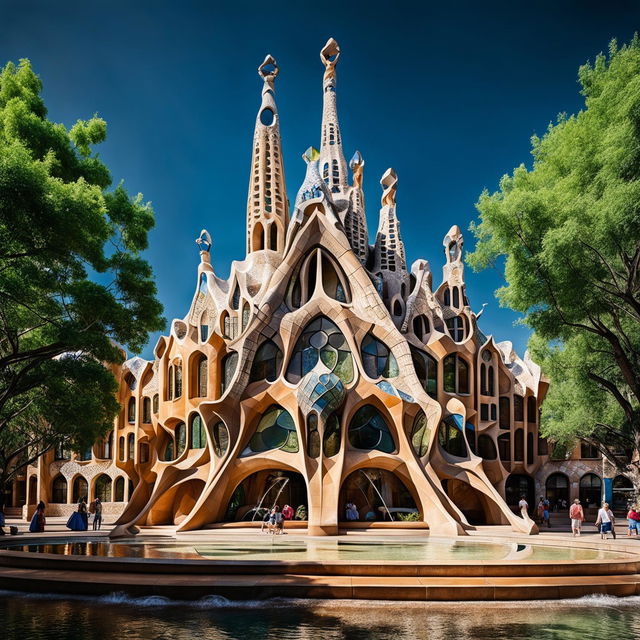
[605, 520]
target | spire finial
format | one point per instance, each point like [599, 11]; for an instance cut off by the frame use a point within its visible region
[268, 70]
[329, 55]
[357, 167]
[389, 182]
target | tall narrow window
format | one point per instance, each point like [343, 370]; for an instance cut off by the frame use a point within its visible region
[313, 436]
[331, 442]
[229, 364]
[451, 437]
[447, 298]
[131, 446]
[456, 297]
[118, 490]
[235, 299]
[131, 411]
[483, 379]
[504, 447]
[156, 404]
[177, 393]
[146, 410]
[170, 382]
[220, 436]
[529, 448]
[202, 376]
[143, 452]
[456, 374]
[505, 413]
[181, 439]
[121, 444]
[102, 488]
[273, 231]
[246, 315]
[204, 327]
[491, 381]
[531, 410]
[198, 435]
[518, 446]
[426, 369]
[518, 408]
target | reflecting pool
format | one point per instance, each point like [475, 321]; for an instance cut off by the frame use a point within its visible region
[115, 618]
[263, 547]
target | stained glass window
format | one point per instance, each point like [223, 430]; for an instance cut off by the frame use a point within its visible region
[266, 363]
[276, 430]
[313, 436]
[331, 443]
[322, 341]
[377, 359]
[420, 434]
[368, 430]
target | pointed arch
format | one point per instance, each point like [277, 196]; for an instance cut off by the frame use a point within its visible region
[377, 359]
[257, 239]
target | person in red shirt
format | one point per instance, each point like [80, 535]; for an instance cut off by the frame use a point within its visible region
[633, 518]
[287, 512]
[577, 517]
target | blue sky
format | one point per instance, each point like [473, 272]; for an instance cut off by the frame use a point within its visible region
[448, 94]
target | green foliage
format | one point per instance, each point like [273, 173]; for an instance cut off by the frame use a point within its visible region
[72, 282]
[408, 517]
[569, 231]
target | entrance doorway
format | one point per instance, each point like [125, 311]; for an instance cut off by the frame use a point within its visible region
[376, 494]
[263, 490]
[557, 490]
[516, 486]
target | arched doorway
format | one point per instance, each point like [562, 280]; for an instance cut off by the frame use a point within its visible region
[33, 490]
[80, 489]
[590, 491]
[557, 491]
[470, 501]
[623, 493]
[516, 486]
[263, 490]
[377, 495]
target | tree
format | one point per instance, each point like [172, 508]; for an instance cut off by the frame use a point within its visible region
[72, 282]
[569, 231]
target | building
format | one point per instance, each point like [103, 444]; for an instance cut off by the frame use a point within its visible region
[322, 372]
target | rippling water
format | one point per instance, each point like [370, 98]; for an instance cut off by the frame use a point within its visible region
[118, 618]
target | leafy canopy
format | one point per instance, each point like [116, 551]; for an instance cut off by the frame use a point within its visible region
[569, 230]
[72, 281]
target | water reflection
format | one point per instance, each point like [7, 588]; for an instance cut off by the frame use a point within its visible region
[38, 618]
[261, 547]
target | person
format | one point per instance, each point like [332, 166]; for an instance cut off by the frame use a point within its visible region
[287, 512]
[265, 521]
[633, 518]
[97, 511]
[524, 507]
[352, 512]
[38, 521]
[564, 503]
[371, 515]
[540, 510]
[84, 513]
[276, 520]
[76, 522]
[606, 521]
[545, 513]
[577, 517]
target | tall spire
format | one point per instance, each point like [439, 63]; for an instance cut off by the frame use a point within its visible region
[267, 204]
[333, 166]
[389, 249]
[355, 222]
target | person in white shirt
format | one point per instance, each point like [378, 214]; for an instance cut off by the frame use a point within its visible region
[524, 507]
[606, 521]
